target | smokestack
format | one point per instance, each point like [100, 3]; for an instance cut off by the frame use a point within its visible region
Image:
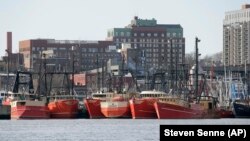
[9, 42]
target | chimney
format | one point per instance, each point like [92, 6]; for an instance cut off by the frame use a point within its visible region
[9, 42]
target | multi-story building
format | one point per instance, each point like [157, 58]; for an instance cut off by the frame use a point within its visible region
[60, 54]
[236, 37]
[152, 45]
[145, 46]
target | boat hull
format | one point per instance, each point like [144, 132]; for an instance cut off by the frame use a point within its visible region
[116, 109]
[241, 109]
[26, 109]
[93, 107]
[143, 108]
[172, 111]
[63, 108]
[224, 113]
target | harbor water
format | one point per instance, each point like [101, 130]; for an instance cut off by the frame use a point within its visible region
[96, 129]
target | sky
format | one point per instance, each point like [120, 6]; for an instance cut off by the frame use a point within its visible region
[90, 19]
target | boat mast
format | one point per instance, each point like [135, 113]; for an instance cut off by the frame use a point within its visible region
[121, 77]
[98, 73]
[8, 71]
[45, 73]
[171, 63]
[102, 75]
[19, 82]
[73, 70]
[197, 66]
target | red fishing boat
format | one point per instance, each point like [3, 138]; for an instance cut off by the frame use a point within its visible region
[175, 108]
[26, 104]
[143, 107]
[93, 104]
[29, 109]
[63, 106]
[117, 107]
[23, 106]
[63, 102]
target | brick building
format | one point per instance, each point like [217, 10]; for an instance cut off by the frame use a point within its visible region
[62, 51]
[147, 46]
[156, 46]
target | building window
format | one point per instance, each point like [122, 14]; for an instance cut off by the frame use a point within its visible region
[162, 35]
[142, 34]
[149, 34]
[128, 34]
[135, 34]
[168, 34]
[174, 34]
[122, 33]
[155, 34]
[50, 48]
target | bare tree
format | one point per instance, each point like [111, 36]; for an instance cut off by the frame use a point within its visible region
[189, 59]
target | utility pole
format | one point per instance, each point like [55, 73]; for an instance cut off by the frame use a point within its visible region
[197, 66]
